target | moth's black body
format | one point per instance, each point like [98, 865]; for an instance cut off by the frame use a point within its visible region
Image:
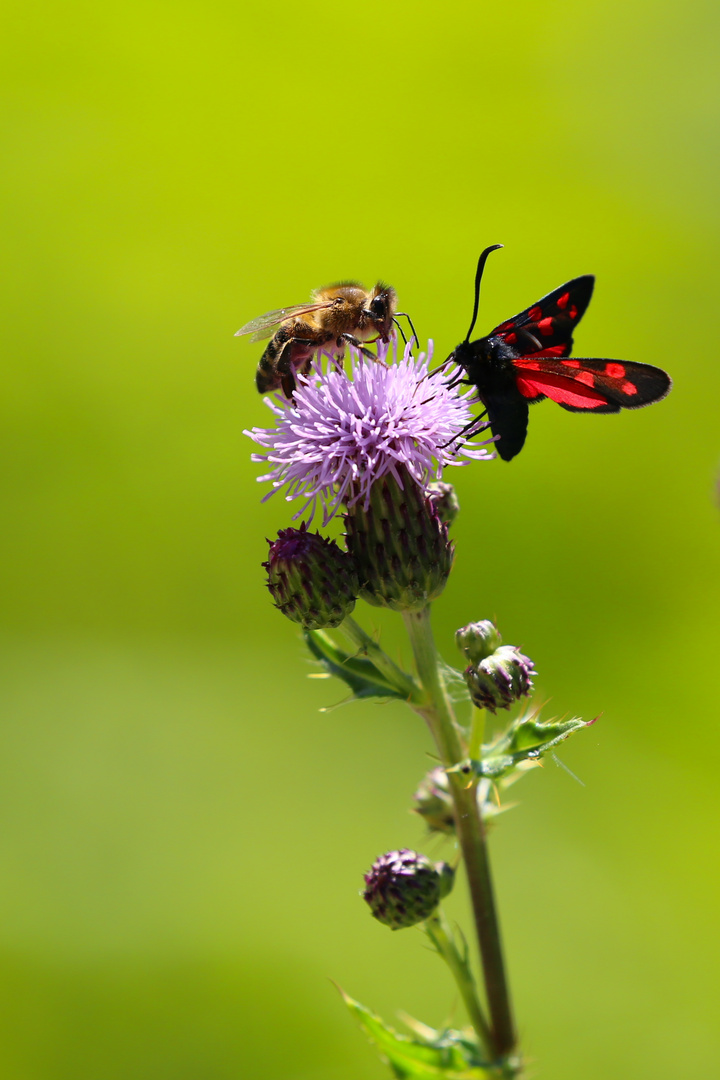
[524, 360]
[487, 363]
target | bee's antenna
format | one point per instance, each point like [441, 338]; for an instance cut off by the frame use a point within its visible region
[481, 266]
[401, 331]
[406, 316]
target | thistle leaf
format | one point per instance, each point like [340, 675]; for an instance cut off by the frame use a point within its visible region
[451, 1054]
[529, 737]
[359, 673]
[525, 741]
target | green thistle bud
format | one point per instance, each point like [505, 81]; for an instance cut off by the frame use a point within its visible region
[500, 679]
[400, 546]
[403, 887]
[444, 500]
[310, 578]
[433, 801]
[478, 640]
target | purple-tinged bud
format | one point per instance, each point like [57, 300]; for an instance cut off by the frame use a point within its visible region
[400, 545]
[444, 500]
[433, 801]
[500, 679]
[403, 888]
[478, 640]
[310, 578]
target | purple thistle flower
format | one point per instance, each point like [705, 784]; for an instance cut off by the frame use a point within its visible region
[338, 436]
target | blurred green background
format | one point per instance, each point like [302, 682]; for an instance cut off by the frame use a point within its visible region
[183, 831]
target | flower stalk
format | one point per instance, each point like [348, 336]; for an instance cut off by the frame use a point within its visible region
[367, 645]
[437, 712]
[440, 934]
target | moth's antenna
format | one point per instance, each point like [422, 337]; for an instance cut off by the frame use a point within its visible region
[478, 276]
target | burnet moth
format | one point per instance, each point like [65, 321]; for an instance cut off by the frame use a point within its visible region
[525, 359]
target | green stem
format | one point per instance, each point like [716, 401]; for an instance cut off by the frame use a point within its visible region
[437, 711]
[398, 678]
[440, 934]
[477, 734]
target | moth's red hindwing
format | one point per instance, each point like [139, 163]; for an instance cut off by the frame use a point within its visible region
[591, 384]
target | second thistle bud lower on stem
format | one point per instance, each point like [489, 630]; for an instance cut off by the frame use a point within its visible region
[403, 888]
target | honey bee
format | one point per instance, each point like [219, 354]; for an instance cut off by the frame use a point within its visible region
[337, 315]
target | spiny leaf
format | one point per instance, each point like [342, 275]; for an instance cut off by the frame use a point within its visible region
[528, 733]
[449, 1054]
[526, 740]
[359, 673]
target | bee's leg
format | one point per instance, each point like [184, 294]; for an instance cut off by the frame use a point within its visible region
[284, 371]
[361, 348]
[289, 385]
[288, 362]
[337, 359]
[306, 367]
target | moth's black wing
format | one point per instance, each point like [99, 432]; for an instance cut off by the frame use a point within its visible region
[508, 420]
[548, 324]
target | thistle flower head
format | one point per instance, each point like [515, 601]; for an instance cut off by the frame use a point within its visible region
[339, 435]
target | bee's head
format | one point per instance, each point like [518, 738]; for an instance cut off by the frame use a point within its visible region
[380, 309]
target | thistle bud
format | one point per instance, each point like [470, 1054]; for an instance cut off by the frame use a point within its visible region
[500, 679]
[400, 545]
[403, 887]
[433, 801]
[444, 499]
[478, 640]
[310, 578]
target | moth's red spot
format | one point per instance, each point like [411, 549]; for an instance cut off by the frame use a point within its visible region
[615, 371]
[503, 326]
[533, 365]
[571, 363]
[535, 313]
[545, 326]
[512, 338]
[573, 312]
[628, 388]
[585, 377]
[562, 302]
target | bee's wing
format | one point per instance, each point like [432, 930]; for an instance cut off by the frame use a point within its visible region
[262, 327]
